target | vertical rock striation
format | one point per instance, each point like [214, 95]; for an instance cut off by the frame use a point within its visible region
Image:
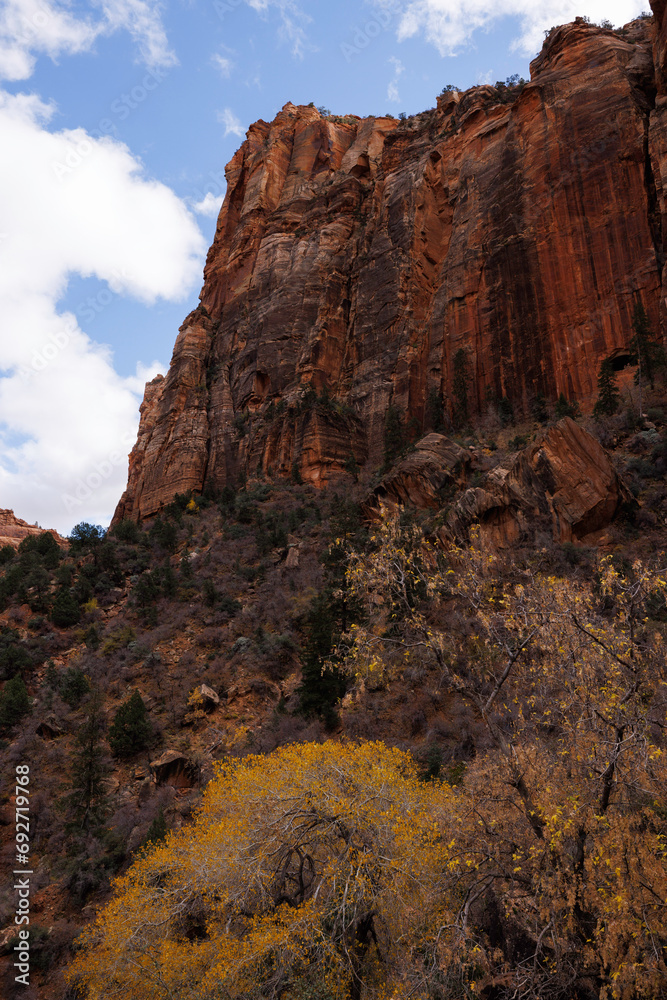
[354, 257]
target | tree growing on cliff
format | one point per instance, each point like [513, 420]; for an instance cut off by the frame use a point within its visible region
[608, 394]
[330, 614]
[435, 411]
[65, 611]
[566, 408]
[647, 352]
[14, 703]
[538, 408]
[395, 438]
[461, 382]
[86, 537]
[320, 688]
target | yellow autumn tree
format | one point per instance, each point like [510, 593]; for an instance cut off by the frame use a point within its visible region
[563, 816]
[313, 872]
[331, 872]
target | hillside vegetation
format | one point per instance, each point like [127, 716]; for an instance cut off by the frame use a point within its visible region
[427, 769]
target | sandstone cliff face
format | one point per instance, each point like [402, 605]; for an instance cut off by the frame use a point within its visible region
[357, 256]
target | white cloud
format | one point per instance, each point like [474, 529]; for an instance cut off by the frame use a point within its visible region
[392, 87]
[450, 24]
[223, 64]
[71, 204]
[293, 21]
[209, 205]
[232, 124]
[29, 28]
[143, 20]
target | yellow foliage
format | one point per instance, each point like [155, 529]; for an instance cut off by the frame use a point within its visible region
[316, 864]
[195, 712]
[564, 821]
[331, 872]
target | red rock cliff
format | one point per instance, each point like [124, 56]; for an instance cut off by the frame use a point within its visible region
[13, 530]
[357, 256]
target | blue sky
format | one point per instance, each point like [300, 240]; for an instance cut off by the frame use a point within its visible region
[116, 121]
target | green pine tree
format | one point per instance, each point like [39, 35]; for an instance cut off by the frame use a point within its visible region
[65, 611]
[320, 688]
[351, 465]
[157, 831]
[564, 408]
[13, 656]
[648, 352]
[608, 394]
[505, 411]
[89, 770]
[73, 686]
[14, 703]
[130, 731]
[394, 435]
[330, 615]
[539, 408]
[435, 411]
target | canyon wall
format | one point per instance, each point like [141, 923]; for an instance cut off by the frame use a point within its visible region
[353, 258]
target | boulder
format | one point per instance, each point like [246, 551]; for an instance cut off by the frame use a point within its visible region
[173, 768]
[48, 728]
[293, 555]
[209, 697]
[436, 464]
[565, 479]
[582, 487]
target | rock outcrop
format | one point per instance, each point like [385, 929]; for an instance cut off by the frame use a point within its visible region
[564, 479]
[13, 530]
[173, 768]
[353, 258]
[436, 466]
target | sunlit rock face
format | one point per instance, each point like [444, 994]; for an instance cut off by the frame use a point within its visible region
[353, 258]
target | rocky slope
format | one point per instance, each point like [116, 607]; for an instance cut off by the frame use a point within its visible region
[214, 612]
[357, 256]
